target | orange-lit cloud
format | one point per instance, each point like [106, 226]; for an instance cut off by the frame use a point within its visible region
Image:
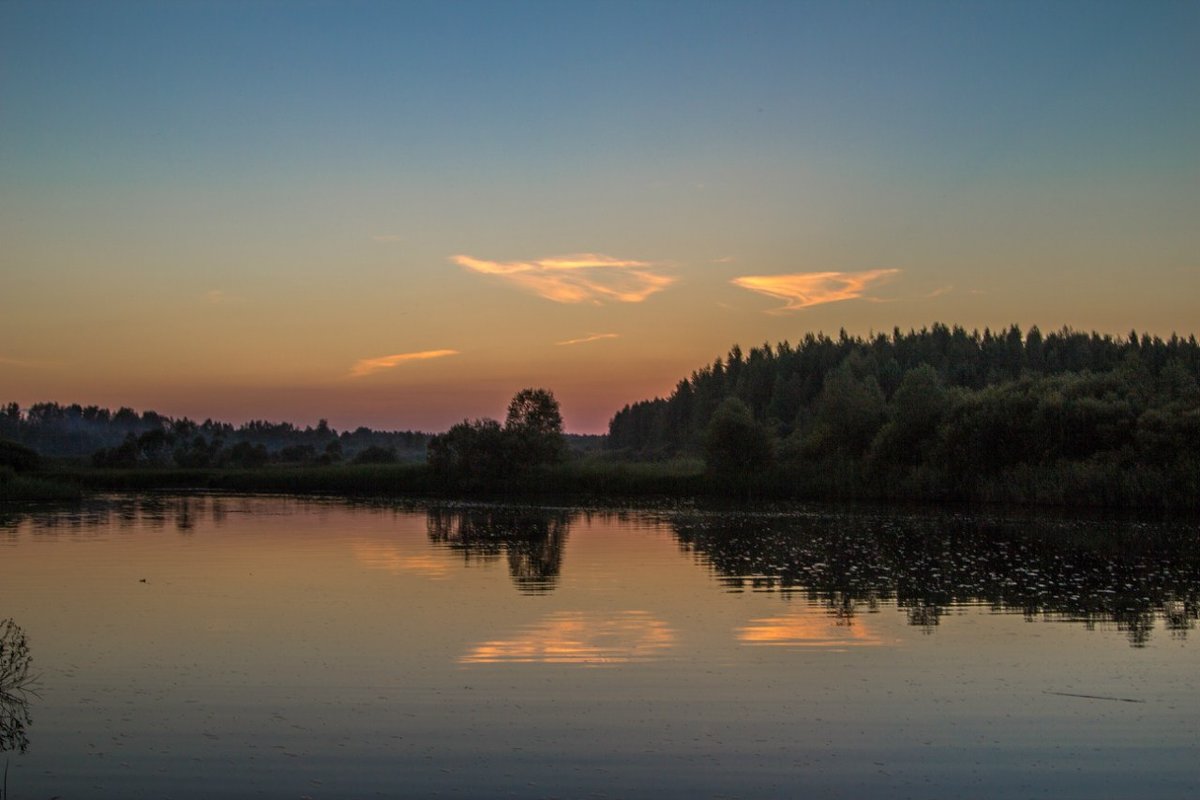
[584, 277]
[804, 289]
[374, 555]
[807, 629]
[368, 365]
[576, 637]
[592, 337]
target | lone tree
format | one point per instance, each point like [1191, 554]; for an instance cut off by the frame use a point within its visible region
[535, 427]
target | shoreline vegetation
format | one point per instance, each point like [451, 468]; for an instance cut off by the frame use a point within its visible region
[940, 415]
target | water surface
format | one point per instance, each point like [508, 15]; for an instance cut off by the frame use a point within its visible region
[274, 647]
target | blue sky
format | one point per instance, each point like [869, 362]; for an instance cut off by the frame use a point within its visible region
[233, 204]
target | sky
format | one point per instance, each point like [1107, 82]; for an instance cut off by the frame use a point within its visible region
[399, 214]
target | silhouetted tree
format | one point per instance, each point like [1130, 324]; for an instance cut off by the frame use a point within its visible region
[535, 427]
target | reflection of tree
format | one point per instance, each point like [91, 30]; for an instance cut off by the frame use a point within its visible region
[186, 513]
[1123, 574]
[15, 682]
[531, 538]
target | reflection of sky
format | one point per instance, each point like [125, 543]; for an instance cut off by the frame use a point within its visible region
[379, 555]
[577, 637]
[803, 628]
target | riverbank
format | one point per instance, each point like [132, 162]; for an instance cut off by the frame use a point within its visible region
[598, 480]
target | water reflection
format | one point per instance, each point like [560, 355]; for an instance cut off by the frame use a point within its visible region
[15, 687]
[125, 512]
[393, 559]
[802, 628]
[577, 637]
[1135, 577]
[531, 539]
[1092, 573]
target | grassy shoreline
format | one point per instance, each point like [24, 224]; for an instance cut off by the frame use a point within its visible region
[603, 481]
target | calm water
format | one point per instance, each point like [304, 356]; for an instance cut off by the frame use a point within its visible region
[247, 647]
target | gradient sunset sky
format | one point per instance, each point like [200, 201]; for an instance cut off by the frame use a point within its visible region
[398, 214]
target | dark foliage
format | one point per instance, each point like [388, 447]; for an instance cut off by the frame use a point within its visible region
[126, 439]
[481, 452]
[19, 457]
[943, 413]
[376, 455]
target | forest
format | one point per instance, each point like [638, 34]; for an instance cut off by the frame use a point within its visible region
[940, 413]
[125, 438]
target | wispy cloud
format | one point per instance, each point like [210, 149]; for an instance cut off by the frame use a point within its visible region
[584, 277]
[219, 297]
[368, 365]
[387, 238]
[804, 289]
[592, 337]
[927, 296]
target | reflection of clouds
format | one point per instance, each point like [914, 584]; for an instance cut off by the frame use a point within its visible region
[805, 289]
[374, 555]
[805, 629]
[578, 637]
[585, 277]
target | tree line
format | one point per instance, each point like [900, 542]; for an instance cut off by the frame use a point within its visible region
[125, 438]
[940, 413]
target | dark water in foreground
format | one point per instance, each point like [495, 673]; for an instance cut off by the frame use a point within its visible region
[265, 647]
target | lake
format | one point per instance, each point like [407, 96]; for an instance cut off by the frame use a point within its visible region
[226, 646]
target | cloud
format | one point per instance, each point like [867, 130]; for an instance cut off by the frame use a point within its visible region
[387, 238]
[936, 293]
[804, 289]
[368, 365]
[584, 277]
[593, 337]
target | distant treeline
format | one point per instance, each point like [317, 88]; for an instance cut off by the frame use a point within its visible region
[940, 413]
[125, 438]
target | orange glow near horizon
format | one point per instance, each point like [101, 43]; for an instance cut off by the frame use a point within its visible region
[583, 638]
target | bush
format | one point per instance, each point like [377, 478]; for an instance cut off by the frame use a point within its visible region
[19, 457]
